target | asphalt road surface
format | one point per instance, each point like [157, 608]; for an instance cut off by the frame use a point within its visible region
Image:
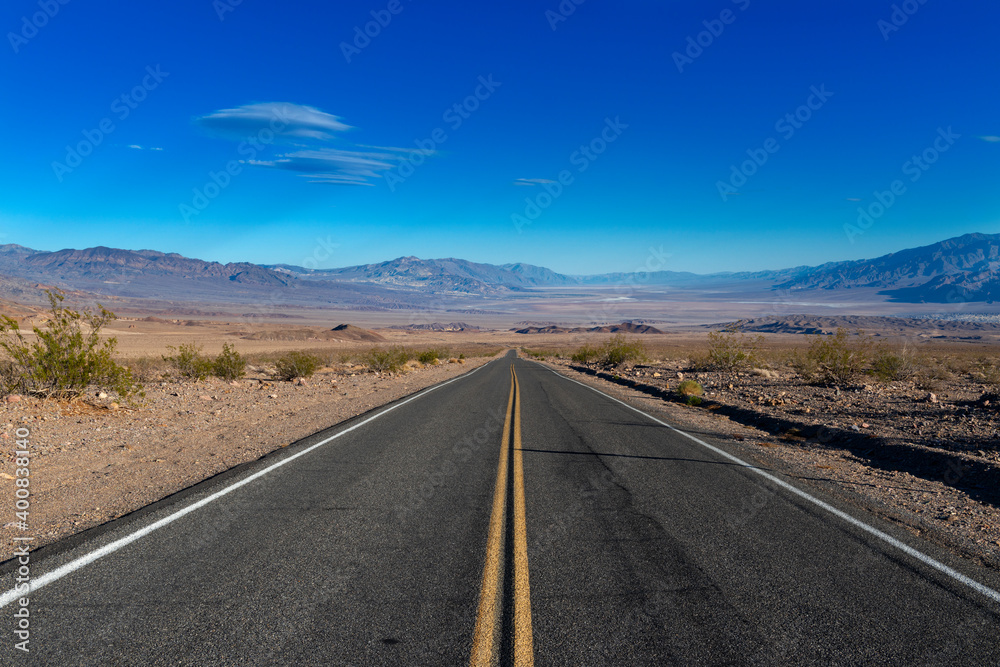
[509, 516]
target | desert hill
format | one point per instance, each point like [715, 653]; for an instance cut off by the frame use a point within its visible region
[351, 332]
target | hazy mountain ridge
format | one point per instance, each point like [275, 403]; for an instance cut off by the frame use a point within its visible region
[102, 263]
[963, 268]
[960, 269]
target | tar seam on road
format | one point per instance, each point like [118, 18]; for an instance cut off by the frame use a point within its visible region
[87, 559]
[885, 537]
[488, 640]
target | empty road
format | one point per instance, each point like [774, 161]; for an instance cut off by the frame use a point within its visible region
[508, 516]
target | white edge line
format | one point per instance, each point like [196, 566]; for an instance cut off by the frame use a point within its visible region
[89, 558]
[885, 537]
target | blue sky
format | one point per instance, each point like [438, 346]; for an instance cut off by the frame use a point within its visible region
[572, 136]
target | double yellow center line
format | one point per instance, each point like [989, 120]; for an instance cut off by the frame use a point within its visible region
[490, 642]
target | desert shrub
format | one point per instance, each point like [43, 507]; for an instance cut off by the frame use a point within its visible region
[620, 349]
[385, 359]
[894, 363]
[585, 354]
[229, 365]
[986, 371]
[295, 365]
[147, 369]
[63, 361]
[188, 362]
[731, 350]
[836, 359]
[429, 356]
[534, 354]
[690, 388]
[931, 377]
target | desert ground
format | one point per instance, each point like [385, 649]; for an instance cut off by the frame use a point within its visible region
[925, 450]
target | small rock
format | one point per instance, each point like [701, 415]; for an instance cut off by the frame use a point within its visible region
[113, 406]
[301, 382]
[656, 375]
[680, 376]
[864, 425]
[13, 398]
[932, 398]
[101, 394]
[205, 398]
[272, 396]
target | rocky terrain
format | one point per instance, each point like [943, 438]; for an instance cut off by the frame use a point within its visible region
[880, 326]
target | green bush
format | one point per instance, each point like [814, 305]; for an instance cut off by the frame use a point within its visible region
[836, 359]
[295, 365]
[894, 363]
[229, 365]
[188, 362]
[621, 349]
[732, 350]
[689, 388]
[63, 361]
[386, 359]
[586, 354]
[429, 356]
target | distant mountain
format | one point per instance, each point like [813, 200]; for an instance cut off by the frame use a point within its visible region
[437, 326]
[111, 264]
[624, 327]
[964, 268]
[438, 275]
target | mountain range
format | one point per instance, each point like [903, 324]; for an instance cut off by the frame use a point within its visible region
[963, 269]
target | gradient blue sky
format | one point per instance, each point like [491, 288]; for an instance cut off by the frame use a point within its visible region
[325, 192]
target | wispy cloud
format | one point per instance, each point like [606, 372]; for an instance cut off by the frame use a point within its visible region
[332, 165]
[532, 181]
[143, 148]
[311, 131]
[284, 119]
[990, 138]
